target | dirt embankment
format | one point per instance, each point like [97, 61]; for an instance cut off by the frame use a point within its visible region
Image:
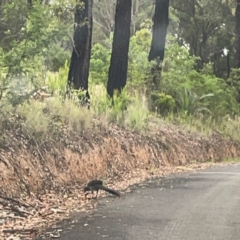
[41, 181]
[28, 166]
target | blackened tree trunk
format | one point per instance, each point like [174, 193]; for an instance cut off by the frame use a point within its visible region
[117, 76]
[237, 14]
[82, 44]
[160, 25]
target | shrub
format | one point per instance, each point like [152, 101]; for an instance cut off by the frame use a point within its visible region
[162, 102]
[178, 73]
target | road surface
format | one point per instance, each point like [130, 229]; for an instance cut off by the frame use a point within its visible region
[203, 205]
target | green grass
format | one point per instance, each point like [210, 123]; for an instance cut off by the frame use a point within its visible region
[41, 120]
[44, 119]
[226, 126]
[231, 160]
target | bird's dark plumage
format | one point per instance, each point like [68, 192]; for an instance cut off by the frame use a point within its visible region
[96, 185]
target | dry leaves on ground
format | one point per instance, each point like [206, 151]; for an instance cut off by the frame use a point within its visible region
[25, 218]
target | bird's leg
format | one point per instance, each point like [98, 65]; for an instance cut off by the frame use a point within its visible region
[97, 194]
[86, 194]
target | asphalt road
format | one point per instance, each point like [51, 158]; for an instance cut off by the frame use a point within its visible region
[192, 206]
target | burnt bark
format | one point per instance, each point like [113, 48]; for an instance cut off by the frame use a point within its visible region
[237, 15]
[160, 25]
[117, 76]
[82, 43]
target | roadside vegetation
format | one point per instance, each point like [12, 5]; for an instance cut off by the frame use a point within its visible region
[199, 82]
[119, 90]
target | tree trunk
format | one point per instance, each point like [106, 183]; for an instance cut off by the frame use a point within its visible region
[237, 14]
[160, 25]
[82, 44]
[117, 76]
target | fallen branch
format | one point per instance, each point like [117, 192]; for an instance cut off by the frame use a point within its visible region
[16, 230]
[15, 217]
[21, 211]
[46, 214]
[3, 161]
[15, 201]
[14, 209]
[58, 210]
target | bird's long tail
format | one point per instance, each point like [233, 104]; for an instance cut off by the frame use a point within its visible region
[109, 190]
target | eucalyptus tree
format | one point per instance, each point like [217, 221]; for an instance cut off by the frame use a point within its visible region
[82, 43]
[117, 76]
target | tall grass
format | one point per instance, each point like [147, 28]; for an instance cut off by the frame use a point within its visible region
[41, 120]
[227, 126]
[130, 110]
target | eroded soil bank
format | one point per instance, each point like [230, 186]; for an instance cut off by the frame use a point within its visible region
[28, 166]
[47, 177]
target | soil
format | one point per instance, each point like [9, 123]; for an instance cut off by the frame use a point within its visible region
[41, 181]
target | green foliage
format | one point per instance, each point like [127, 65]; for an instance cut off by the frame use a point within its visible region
[3, 71]
[45, 119]
[128, 110]
[119, 107]
[138, 55]
[138, 64]
[224, 101]
[205, 28]
[35, 52]
[57, 81]
[227, 126]
[138, 116]
[100, 60]
[177, 65]
[234, 80]
[32, 39]
[190, 103]
[162, 102]
[55, 57]
[178, 73]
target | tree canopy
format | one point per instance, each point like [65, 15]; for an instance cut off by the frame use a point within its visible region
[108, 44]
